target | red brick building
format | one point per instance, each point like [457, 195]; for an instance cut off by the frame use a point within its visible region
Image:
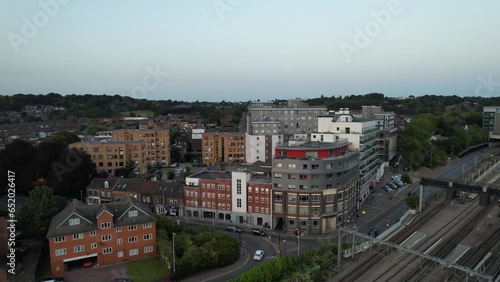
[105, 233]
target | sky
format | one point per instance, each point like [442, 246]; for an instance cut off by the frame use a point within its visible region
[241, 50]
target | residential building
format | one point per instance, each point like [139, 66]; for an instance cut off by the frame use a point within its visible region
[315, 185]
[106, 233]
[240, 196]
[111, 155]
[491, 122]
[261, 147]
[100, 190]
[221, 147]
[362, 135]
[286, 117]
[157, 142]
[168, 198]
[387, 135]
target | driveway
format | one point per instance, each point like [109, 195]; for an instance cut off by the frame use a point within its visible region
[98, 274]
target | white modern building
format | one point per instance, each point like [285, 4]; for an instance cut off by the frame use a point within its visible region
[261, 147]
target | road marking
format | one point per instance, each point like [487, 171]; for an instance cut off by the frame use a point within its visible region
[226, 273]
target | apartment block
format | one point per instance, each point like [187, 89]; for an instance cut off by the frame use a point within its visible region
[105, 234]
[111, 155]
[387, 135]
[315, 186]
[491, 122]
[221, 147]
[157, 142]
[362, 135]
[286, 117]
[240, 196]
[261, 147]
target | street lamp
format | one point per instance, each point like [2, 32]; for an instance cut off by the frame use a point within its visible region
[173, 250]
[81, 196]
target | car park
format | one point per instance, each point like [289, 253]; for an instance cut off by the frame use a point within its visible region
[232, 228]
[259, 254]
[258, 232]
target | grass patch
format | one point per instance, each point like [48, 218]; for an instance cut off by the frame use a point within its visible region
[147, 270]
[43, 266]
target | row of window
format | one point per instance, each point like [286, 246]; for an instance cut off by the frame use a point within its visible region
[257, 210]
[212, 204]
[257, 200]
[105, 251]
[219, 187]
[104, 225]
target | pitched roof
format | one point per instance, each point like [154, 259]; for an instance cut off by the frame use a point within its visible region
[88, 214]
[150, 187]
[100, 183]
[130, 184]
[169, 189]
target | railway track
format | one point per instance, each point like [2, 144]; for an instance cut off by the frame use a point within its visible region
[397, 239]
[397, 269]
[441, 252]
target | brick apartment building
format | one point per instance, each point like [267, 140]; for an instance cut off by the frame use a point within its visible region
[239, 196]
[157, 142]
[111, 155]
[220, 147]
[106, 233]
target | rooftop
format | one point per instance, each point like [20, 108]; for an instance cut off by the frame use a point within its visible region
[211, 175]
[107, 142]
[310, 145]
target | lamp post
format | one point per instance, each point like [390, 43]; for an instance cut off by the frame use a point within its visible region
[81, 196]
[173, 250]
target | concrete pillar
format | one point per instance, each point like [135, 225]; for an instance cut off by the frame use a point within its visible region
[484, 199]
[421, 193]
[450, 194]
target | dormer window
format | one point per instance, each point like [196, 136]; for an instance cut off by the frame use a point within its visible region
[133, 213]
[105, 225]
[74, 221]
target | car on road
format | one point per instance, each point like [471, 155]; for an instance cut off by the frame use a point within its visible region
[258, 232]
[373, 233]
[87, 263]
[232, 228]
[259, 254]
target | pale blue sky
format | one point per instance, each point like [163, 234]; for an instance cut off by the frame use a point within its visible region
[257, 50]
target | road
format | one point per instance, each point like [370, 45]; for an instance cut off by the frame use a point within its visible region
[398, 208]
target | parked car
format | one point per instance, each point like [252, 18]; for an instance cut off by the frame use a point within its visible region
[259, 254]
[232, 228]
[387, 188]
[411, 193]
[258, 232]
[87, 263]
[396, 177]
[392, 185]
[398, 184]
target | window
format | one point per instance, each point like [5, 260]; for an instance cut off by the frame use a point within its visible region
[315, 166]
[92, 233]
[132, 239]
[59, 239]
[278, 197]
[133, 252]
[119, 241]
[132, 227]
[106, 251]
[74, 221]
[148, 236]
[277, 175]
[148, 249]
[77, 236]
[238, 203]
[106, 237]
[105, 225]
[250, 199]
[133, 213]
[291, 165]
[120, 254]
[238, 186]
[93, 245]
[60, 252]
[147, 225]
[78, 249]
[228, 206]
[118, 229]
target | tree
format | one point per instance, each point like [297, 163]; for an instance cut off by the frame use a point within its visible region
[65, 138]
[406, 178]
[36, 214]
[170, 174]
[15, 157]
[412, 201]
